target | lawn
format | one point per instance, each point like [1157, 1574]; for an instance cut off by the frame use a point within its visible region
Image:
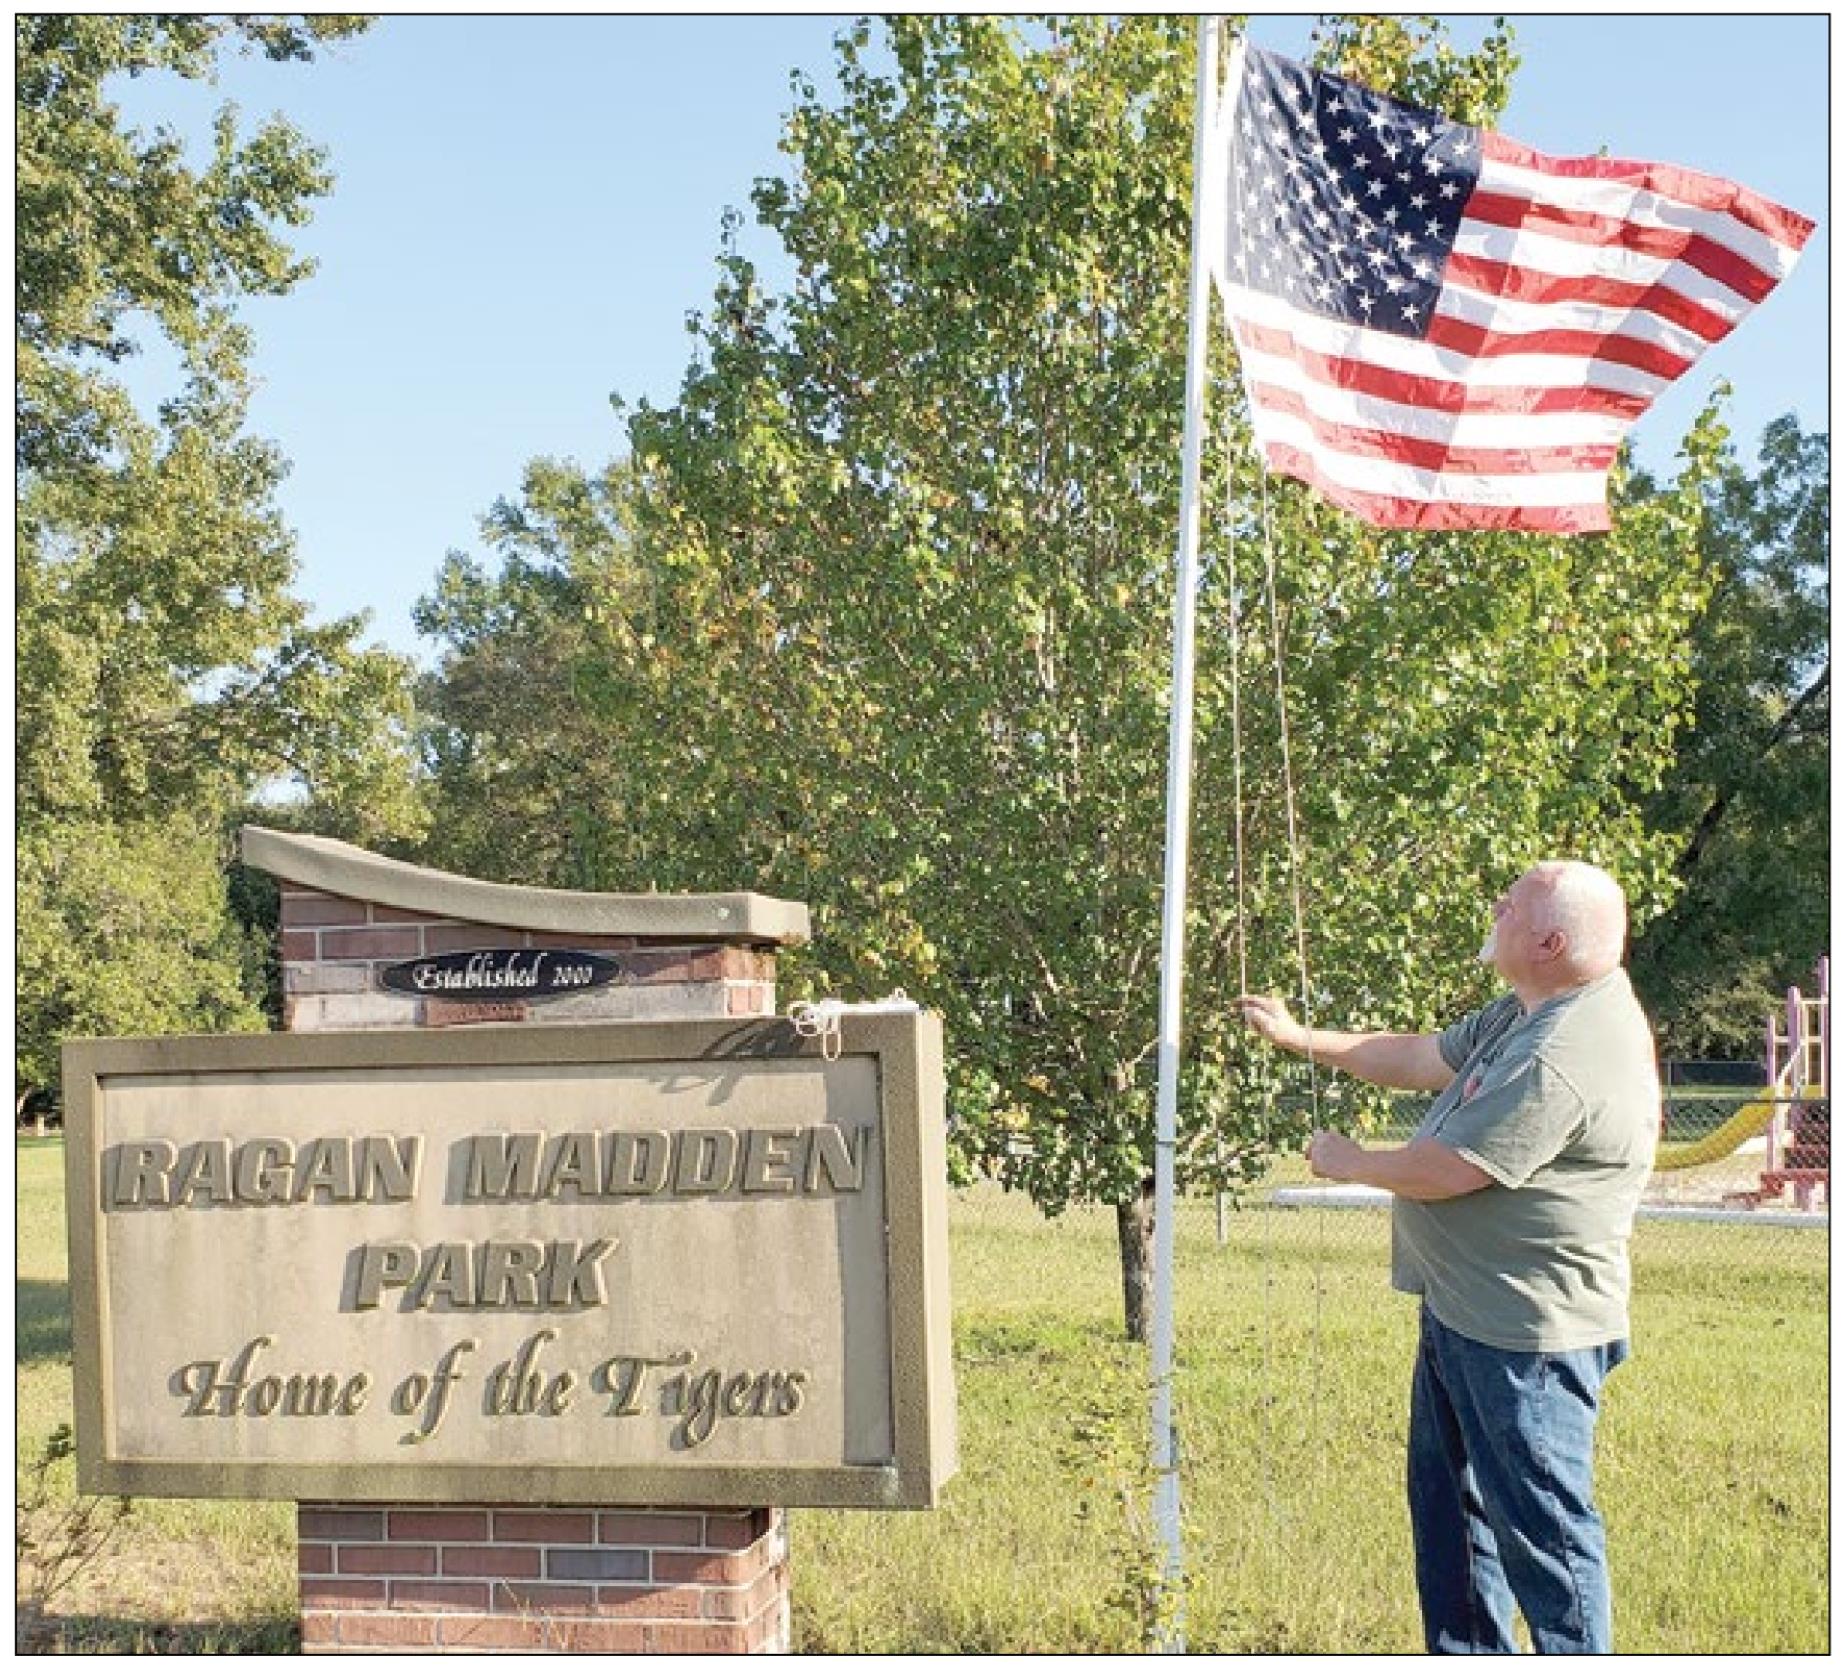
[1293, 1360]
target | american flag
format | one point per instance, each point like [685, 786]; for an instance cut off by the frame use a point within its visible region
[1440, 328]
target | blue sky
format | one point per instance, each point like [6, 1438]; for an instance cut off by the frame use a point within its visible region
[528, 207]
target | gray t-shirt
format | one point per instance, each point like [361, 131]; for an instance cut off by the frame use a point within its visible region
[1562, 1108]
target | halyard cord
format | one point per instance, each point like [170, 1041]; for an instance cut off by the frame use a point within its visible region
[1240, 937]
[1295, 857]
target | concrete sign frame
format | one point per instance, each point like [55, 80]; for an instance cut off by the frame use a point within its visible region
[903, 1050]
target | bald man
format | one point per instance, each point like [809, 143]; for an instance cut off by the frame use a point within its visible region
[1512, 1210]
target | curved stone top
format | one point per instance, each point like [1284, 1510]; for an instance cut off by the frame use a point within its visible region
[339, 868]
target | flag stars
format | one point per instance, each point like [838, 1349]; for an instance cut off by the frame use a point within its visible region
[1334, 200]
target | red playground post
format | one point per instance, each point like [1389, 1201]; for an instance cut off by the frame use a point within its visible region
[1800, 1167]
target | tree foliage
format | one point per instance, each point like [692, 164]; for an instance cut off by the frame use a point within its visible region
[1748, 795]
[521, 782]
[893, 634]
[166, 672]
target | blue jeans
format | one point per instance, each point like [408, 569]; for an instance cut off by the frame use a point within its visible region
[1499, 1481]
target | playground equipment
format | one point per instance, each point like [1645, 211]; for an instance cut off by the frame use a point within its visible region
[1751, 1122]
[1791, 1117]
[1800, 1166]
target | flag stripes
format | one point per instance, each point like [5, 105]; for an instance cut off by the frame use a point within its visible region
[1616, 188]
[1523, 284]
[1422, 510]
[1463, 325]
[1562, 259]
[1569, 293]
[1430, 453]
[1443, 390]
[1667, 243]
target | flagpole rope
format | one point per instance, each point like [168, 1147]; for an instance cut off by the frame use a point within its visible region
[1295, 865]
[1242, 939]
[1243, 958]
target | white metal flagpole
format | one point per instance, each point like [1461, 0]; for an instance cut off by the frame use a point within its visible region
[1167, 1507]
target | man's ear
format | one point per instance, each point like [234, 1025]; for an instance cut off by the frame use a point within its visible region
[1553, 947]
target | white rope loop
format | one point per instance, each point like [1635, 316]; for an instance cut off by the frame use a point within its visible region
[823, 1019]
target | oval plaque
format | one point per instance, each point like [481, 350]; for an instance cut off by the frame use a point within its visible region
[502, 973]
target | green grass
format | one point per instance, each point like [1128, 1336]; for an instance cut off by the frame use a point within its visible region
[179, 1576]
[1293, 1364]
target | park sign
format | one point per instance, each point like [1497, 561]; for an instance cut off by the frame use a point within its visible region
[685, 1262]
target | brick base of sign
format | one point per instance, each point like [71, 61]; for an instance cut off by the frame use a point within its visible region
[472, 1579]
[377, 1578]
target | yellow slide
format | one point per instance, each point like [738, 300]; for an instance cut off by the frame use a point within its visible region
[1750, 1122]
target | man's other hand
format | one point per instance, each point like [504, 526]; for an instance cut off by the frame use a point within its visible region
[1333, 1156]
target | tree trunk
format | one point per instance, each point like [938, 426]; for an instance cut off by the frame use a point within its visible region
[1136, 1216]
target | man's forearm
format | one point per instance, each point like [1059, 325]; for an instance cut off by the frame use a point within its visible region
[1422, 1171]
[1399, 1061]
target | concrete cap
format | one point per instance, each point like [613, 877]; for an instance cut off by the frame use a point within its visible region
[339, 868]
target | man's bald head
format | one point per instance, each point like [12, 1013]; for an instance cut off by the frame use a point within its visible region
[1586, 905]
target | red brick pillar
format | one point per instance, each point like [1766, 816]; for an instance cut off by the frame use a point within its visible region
[570, 1581]
[490, 1578]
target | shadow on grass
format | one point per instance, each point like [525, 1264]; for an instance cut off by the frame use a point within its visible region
[38, 1633]
[41, 1322]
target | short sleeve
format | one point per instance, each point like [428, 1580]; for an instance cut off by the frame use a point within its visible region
[1457, 1043]
[1519, 1119]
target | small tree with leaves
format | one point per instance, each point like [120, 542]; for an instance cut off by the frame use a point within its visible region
[894, 637]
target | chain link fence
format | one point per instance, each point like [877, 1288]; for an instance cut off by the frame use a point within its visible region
[1741, 1172]
[1745, 1197]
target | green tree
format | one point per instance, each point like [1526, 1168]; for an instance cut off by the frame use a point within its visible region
[1749, 793]
[520, 783]
[899, 643]
[166, 673]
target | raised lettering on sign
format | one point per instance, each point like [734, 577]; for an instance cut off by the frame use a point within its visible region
[216, 1388]
[486, 1276]
[261, 1172]
[692, 1161]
